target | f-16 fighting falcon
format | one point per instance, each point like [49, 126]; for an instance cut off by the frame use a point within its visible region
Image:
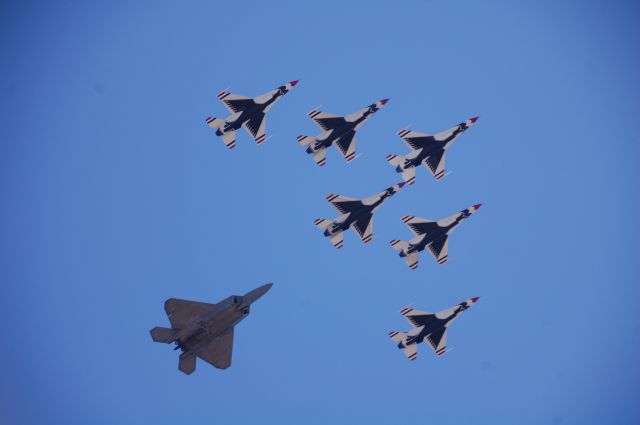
[356, 213]
[430, 327]
[430, 234]
[338, 130]
[248, 113]
[205, 330]
[427, 150]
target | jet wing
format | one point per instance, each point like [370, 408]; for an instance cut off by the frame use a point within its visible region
[417, 318]
[419, 226]
[256, 126]
[347, 145]
[439, 249]
[415, 140]
[235, 102]
[438, 341]
[182, 312]
[218, 352]
[435, 163]
[364, 227]
[326, 121]
[343, 204]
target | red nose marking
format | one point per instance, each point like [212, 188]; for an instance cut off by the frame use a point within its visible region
[401, 184]
[475, 299]
[477, 206]
[474, 119]
[293, 83]
[384, 101]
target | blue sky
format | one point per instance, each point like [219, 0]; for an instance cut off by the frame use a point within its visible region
[116, 196]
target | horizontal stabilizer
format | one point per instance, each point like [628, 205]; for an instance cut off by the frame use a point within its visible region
[229, 139]
[337, 240]
[398, 336]
[187, 363]
[395, 159]
[320, 157]
[215, 122]
[306, 140]
[321, 223]
[160, 334]
[409, 175]
[399, 245]
[412, 260]
[411, 351]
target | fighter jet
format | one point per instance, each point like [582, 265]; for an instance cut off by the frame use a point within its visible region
[248, 113]
[427, 150]
[356, 213]
[430, 234]
[338, 130]
[205, 330]
[430, 327]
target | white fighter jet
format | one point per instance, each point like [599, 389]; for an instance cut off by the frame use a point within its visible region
[356, 213]
[338, 130]
[248, 113]
[429, 327]
[433, 235]
[427, 150]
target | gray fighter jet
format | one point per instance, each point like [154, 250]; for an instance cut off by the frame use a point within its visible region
[430, 327]
[205, 330]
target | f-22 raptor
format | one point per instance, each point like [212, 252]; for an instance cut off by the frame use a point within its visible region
[427, 150]
[205, 330]
[356, 213]
[248, 113]
[338, 130]
[430, 234]
[430, 327]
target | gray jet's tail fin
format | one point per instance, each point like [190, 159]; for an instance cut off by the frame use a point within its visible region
[187, 363]
[160, 334]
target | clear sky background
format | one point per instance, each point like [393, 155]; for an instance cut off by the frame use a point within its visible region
[116, 196]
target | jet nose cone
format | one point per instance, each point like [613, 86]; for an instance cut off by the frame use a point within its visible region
[256, 294]
[293, 83]
[474, 119]
[384, 101]
[477, 206]
[475, 299]
[401, 184]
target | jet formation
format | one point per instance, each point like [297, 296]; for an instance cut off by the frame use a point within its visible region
[433, 235]
[205, 330]
[355, 213]
[337, 130]
[430, 327]
[248, 113]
